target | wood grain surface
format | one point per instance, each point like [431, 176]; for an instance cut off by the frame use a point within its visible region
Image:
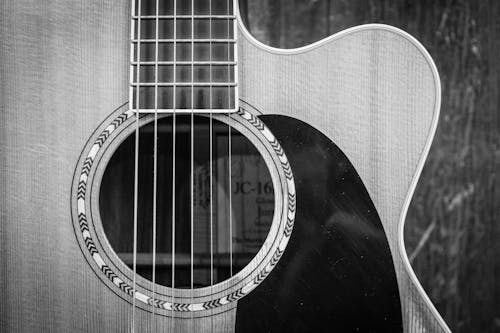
[374, 92]
[64, 69]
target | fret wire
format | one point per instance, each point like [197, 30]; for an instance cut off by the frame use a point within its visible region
[185, 84]
[212, 63]
[185, 40]
[187, 17]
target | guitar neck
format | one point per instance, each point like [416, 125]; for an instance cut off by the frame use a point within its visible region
[183, 56]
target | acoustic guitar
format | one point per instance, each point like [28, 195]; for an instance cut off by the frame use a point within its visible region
[164, 171]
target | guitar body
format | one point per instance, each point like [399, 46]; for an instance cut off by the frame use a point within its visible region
[355, 114]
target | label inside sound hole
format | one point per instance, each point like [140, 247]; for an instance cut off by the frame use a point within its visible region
[252, 198]
[252, 203]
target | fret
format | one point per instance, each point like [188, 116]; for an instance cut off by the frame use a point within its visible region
[220, 97]
[201, 7]
[201, 52]
[201, 73]
[221, 29]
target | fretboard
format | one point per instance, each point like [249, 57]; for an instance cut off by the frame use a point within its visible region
[183, 56]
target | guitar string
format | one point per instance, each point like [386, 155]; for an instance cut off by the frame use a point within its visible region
[155, 164]
[173, 160]
[136, 161]
[174, 154]
[229, 146]
[192, 157]
[210, 164]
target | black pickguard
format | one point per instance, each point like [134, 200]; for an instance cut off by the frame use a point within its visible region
[337, 273]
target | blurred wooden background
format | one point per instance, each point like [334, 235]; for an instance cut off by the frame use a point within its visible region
[453, 226]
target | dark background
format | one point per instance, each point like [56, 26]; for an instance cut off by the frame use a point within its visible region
[452, 230]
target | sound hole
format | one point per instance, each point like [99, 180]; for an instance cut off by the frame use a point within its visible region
[251, 212]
